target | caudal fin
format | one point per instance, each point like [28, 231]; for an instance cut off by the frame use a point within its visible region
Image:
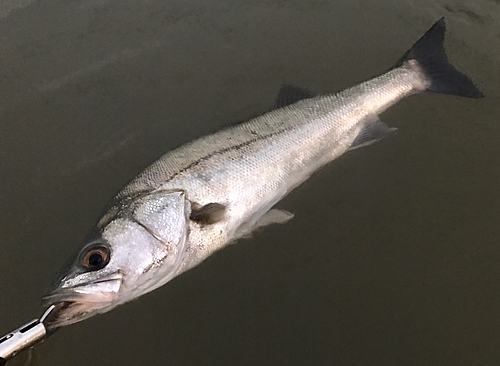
[429, 52]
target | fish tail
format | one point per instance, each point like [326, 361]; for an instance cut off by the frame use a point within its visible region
[441, 76]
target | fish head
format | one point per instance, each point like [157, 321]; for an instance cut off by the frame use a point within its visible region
[135, 248]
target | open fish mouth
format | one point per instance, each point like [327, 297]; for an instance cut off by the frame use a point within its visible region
[76, 303]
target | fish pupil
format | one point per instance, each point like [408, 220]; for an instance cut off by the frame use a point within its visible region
[95, 260]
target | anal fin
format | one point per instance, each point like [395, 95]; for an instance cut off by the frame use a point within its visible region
[373, 131]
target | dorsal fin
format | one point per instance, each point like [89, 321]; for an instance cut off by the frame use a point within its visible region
[290, 94]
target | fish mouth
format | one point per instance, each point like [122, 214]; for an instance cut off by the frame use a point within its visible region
[81, 301]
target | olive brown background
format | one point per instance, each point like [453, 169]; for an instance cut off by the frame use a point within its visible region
[393, 255]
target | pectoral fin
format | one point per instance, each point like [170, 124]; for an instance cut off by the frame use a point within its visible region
[373, 131]
[208, 214]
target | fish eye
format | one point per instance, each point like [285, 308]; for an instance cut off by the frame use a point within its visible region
[96, 258]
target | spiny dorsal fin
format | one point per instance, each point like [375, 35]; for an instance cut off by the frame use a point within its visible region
[290, 94]
[208, 214]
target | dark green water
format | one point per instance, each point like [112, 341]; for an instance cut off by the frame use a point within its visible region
[393, 255]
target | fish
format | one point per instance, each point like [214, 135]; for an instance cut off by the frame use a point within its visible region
[208, 193]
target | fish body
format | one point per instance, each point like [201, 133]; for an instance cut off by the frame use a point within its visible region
[251, 166]
[208, 193]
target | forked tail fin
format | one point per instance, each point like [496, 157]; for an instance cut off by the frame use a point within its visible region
[429, 52]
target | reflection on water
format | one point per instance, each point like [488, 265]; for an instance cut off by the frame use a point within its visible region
[393, 253]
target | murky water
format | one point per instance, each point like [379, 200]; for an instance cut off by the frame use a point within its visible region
[393, 255]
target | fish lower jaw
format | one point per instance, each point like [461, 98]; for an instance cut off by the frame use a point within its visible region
[68, 312]
[74, 305]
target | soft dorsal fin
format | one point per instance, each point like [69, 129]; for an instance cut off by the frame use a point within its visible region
[290, 94]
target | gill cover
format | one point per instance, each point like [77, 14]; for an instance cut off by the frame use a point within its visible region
[164, 216]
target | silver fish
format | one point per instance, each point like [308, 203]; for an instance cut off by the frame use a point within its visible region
[208, 193]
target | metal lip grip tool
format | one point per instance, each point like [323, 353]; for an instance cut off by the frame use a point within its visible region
[22, 338]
